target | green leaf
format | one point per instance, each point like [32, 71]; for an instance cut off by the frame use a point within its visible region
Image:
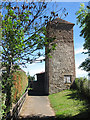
[82, 4]
[18, 21]
[11, 12]
[26, 17]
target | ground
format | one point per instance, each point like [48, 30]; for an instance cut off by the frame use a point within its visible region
[36, 106]
[70, 104]
[65, 105]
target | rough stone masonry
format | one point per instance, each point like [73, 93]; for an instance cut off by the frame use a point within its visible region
[60, 69]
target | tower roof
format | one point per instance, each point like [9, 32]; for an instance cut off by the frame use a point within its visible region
[61, 21]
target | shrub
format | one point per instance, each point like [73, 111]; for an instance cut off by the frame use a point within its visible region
[20, 83]
[82, 85]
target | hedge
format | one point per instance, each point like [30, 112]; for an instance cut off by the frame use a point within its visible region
[20, 83]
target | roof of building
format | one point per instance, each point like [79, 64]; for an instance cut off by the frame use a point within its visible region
[61, 21]
[40, 73]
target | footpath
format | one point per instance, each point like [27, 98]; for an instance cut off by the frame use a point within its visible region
[36, 106]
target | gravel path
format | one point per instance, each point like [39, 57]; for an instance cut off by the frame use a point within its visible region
[36, 106]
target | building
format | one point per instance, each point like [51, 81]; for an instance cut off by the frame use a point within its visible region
[60, 69]
[38, 85]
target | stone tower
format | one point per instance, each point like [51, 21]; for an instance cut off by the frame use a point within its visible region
[60, 69]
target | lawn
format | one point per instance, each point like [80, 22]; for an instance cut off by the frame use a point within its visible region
[70, 104]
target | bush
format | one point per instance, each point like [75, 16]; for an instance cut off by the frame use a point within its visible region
[20, 83]
[82, 85]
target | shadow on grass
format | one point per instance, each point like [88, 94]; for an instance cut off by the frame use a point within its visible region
[84, 113]
[78, 96]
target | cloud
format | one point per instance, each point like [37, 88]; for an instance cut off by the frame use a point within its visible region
[80, 72]
[40, 58]
[37, 70]
[79, 50]
[79, 58]
[36, 67]
[40, 67]
[35, 63]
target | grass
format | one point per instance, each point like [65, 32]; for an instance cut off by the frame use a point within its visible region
[70, 104]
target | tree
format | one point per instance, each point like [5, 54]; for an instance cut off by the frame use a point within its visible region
[83, 16]
[30, 78]
[23, 38]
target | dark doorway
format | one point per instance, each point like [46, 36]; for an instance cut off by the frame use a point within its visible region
[39, 86]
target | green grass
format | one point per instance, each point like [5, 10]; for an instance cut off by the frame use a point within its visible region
[69, 103]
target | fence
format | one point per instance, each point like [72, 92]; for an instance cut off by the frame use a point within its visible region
[16, 109]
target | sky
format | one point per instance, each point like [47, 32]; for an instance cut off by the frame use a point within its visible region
[71, 8]
[47, 0]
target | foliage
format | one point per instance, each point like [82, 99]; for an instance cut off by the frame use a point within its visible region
[82, 85]
[86, 65]
[23, 28]
[20, 83]
[2, 105]
[68, 105]
[31, 78]
[83, 17]
[23, 38]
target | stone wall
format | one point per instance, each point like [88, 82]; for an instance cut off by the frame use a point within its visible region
[61, 66]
